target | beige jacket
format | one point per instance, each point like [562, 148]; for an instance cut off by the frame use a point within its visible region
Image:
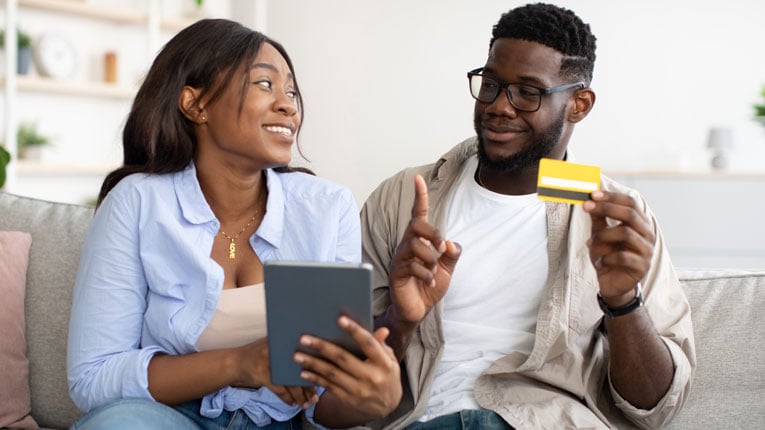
[563, 383]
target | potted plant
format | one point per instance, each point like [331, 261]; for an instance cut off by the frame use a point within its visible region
[759, 108]
[24, 54]
[30, 141]
[5, 158]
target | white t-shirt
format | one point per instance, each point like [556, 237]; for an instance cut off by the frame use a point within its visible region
[493, 300]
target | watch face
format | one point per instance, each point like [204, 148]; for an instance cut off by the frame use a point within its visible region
[54, 56]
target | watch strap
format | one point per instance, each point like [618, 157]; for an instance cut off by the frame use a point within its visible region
[625, 308]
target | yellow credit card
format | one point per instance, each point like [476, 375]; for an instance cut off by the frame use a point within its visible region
[561, 181]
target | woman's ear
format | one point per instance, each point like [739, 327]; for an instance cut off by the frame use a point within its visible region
[583, 100]
[189, 105]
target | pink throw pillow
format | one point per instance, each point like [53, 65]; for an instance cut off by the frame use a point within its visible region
[15, 398]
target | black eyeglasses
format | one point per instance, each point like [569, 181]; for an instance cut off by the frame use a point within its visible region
[524, 97]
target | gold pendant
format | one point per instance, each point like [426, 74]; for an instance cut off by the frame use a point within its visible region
[232, 250]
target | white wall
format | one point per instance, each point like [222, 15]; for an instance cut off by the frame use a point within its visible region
[385, 88]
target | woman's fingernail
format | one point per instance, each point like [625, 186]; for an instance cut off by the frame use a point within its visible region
[343, 321]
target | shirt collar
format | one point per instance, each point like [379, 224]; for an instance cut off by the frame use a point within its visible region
[449, 163]
[195, 209]
[272, 226]
[193, 204]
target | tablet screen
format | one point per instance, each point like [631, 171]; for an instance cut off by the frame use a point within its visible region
[308, 298]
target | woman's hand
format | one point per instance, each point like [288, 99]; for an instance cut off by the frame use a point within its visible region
[255, 372]
[366, 388]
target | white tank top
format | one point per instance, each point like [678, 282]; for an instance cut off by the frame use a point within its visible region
[239, 318]
[492, 303]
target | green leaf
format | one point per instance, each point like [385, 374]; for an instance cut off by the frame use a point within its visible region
[27, 135]
[5, 158]
[22, 39]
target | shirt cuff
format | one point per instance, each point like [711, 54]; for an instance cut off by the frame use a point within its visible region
[312, 409]
[673, 398]
[138, 386]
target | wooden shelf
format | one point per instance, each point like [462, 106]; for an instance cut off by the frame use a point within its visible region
[84, 9]
[90, 89]
[145, 18]
[175, 25]
[686, 174]
[30, 167]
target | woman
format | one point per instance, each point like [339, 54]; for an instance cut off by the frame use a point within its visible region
[204, 198]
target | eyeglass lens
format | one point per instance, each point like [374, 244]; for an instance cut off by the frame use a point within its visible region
[522, 97]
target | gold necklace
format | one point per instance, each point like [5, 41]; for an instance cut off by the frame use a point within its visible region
[232, 244]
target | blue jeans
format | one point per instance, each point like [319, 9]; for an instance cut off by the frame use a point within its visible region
[131, 414]
[469, 419]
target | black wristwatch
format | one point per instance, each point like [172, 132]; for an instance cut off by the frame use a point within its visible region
[625, 308]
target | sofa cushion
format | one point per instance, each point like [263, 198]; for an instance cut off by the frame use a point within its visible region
[58, 231]
[15, 403]
[729, 384]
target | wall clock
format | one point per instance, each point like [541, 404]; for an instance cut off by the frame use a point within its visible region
[55, 56]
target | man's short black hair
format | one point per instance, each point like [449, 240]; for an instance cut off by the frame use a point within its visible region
[555, 27]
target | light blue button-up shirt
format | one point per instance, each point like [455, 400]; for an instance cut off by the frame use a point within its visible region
[146, 283]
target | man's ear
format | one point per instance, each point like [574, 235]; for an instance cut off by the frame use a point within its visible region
[583, 100]
[189, 105]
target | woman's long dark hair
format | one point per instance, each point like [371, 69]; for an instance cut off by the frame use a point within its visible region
[157, 137]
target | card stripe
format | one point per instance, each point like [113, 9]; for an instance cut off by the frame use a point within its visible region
[563, 194]
[551, 181]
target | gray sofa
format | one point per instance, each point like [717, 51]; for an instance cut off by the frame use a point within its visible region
[728, 392]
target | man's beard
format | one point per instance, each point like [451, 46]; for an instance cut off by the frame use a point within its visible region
[541, 147]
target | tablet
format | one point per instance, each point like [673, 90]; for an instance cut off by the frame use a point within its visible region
[307, 298]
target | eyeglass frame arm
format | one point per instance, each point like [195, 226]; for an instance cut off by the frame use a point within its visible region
[542, 91]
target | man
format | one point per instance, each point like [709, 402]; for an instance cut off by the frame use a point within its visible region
[532, 314]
